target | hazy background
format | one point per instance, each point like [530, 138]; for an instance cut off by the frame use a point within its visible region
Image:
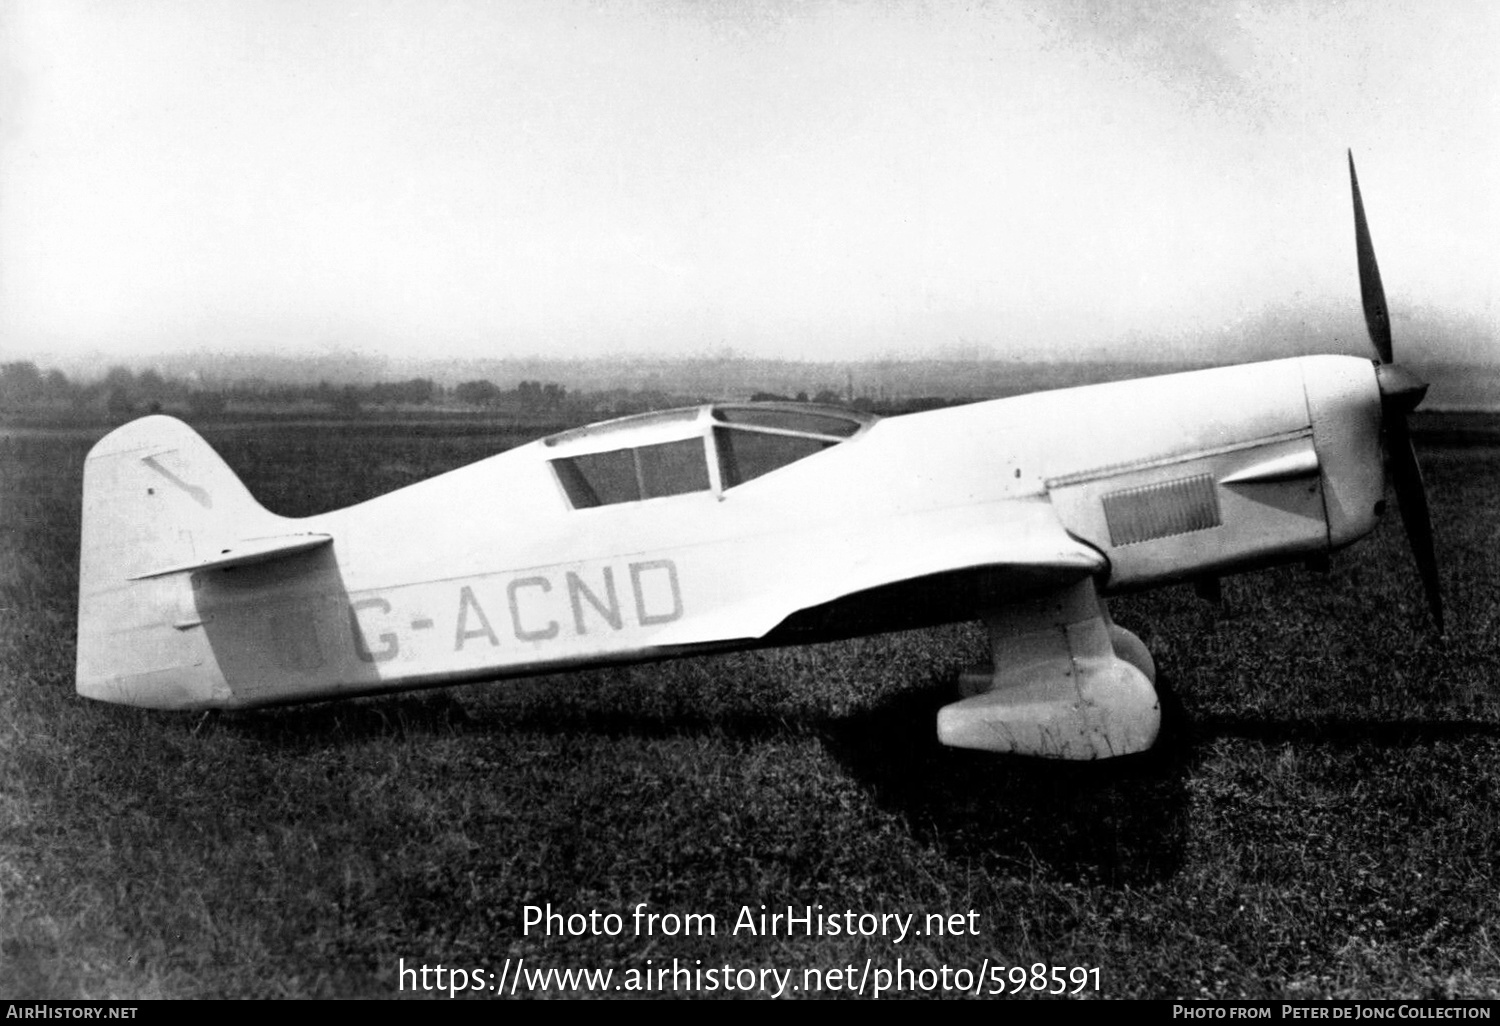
[829, 181]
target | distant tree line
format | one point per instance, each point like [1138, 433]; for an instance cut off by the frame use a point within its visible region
[827, 397]
[24, 386]
[25, 389]
[121, 392]
[534, 396]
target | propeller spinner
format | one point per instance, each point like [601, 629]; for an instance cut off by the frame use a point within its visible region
[1400, 393]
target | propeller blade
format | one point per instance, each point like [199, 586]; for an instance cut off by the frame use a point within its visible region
[1377, 319]
[1411, 496]
[1400, 392]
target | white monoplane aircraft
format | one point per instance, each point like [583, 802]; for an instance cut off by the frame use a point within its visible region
[738, 525]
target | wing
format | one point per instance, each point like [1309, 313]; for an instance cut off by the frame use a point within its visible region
[952, 561]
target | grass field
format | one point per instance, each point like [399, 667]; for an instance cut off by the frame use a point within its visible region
[1320, 819]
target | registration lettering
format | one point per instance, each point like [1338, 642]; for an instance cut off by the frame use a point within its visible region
[389, 644]
[469, 608]
[579, 591]
[512, 591]
[542, 607]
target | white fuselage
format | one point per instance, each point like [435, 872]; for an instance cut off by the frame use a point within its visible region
[490, 571]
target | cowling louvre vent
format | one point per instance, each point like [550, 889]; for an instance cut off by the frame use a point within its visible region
[1161, 510]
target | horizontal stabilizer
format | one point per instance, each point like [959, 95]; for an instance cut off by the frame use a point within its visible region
[244, 553]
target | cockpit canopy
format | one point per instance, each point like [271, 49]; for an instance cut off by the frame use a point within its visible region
[709, 448]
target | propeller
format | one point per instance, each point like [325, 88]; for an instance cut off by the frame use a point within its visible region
[1400, 393]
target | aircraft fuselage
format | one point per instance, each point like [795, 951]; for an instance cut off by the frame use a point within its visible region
[524, 563]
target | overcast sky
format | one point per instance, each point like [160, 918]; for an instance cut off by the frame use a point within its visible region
[815, 180]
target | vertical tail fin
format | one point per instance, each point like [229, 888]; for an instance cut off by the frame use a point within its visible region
[155, 495]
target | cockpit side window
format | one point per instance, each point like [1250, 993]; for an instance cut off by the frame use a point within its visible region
[752, 441]
[781, 419]
[746, 455]
[600, 478]
[628, 475]
[673, 468]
